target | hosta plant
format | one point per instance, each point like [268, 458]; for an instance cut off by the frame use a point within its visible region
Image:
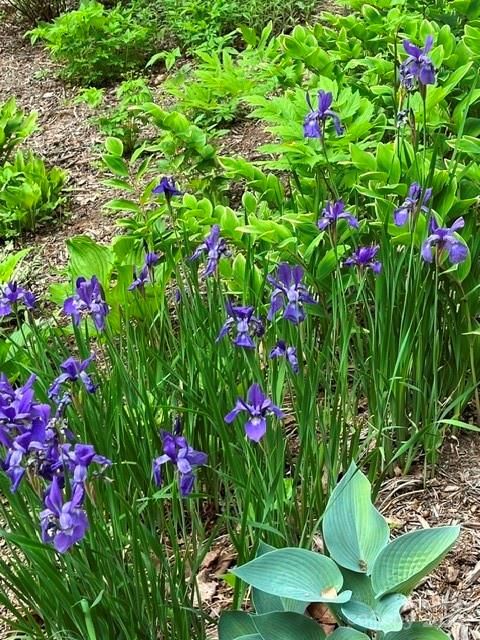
[15, 126]
[364, 580]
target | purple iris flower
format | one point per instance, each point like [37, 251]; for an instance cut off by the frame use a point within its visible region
[245, 322]
[418, 66]
[364, 258]
[333, 212]
[64, 524]
[77, 459]
[73, 370]
[444, 239]
[414, 202]
[89, 299]
[258, 406]
[146, 273]
[11, 295]
[315, 120]
[289, 293]
[168, 187]
[177, 451]
[280, 350]
[214, 246]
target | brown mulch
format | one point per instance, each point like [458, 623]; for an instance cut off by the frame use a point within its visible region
[65, 138]
[450, 597]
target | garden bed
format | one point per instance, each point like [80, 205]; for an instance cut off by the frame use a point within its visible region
[67, 138]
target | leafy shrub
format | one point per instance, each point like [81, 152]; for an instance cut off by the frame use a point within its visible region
[98, 45]
[213, 91]
[121, 121]
[364, 581]
[15, 126]
[29, 193]
[212, 23]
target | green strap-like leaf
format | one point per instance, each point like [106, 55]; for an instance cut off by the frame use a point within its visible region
[283, 625]
[294, 573]
[354, 531]
[407, 559]
[417, 631]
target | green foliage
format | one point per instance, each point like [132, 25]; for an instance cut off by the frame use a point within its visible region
[121, 121]
[213, 90]
[372, 598]
[97, 45]
[212, 23]
[15, 126]
[29, 193]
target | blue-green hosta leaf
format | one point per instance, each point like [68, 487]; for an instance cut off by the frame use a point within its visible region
[267, 603]
[234, 625]
[294, 573]
[418, 631]
[284, 625]
[407, 559]
[346, 633]
[383, 616]
[354, 531]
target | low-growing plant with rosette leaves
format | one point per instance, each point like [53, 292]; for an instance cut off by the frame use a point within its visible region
[364, 580]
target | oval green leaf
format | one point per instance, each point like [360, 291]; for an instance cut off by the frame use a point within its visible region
[418, 631]
[234, 625]
[354, 531]
[283, 625]
[294, 573]
[407, 559]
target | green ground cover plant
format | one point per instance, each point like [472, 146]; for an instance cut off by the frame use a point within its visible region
[259, 332]
[120, 121]
[96, 45]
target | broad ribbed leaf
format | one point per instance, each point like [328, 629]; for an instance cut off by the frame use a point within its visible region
[354, 531]
[294, 573]
[345, 633]
[383, 616]
[407, 559]
[283, 625]
[265, 602]
[417, 631]
[234, 625]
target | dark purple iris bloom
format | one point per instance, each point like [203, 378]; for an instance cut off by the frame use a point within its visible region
[418, 66]
[12, 295]
[333, 212]
[146, 273]
[28, 440]
[444, 239]
[63, 524]
[315, 121]
[168, 187]
[280, 350]
[289, 293]
[214, 246]
[258, 406]
[413, 203]
[177, 451]
[89, 299]
[364, 258]
[73, 370]
[245, 322]
[19, 412]
[77, 459]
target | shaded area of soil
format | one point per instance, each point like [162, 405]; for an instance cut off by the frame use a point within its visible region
[65, 138]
